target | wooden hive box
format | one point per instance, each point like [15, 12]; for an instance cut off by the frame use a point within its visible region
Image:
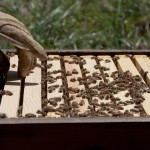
[83, 123]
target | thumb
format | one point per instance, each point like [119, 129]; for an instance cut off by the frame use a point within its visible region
[24, 62]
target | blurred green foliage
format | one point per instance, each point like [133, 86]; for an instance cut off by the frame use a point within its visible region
[84, 24]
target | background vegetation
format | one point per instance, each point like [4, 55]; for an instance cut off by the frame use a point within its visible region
[84, 24]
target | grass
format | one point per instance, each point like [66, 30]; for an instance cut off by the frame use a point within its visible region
[84, 24]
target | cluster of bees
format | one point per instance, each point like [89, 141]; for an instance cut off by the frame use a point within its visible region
[102, 97]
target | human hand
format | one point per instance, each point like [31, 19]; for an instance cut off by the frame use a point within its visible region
[14, 32]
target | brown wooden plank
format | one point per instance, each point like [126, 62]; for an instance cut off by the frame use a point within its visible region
[10, 104]
[92, 52]
[32, 92]
[126, 64]
[139, 130]
[77, 99]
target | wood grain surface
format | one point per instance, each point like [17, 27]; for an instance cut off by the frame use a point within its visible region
[121, 94]
[70, 67]
[55, 66]
[126, 64]
[32, 92]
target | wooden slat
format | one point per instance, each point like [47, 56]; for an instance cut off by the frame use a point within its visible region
[55, 67]
[32, 92]
[106, 61]
[106, 64]
[90, 66]
[142, 62]
[125, 64]
[70, 67]
[10, 104]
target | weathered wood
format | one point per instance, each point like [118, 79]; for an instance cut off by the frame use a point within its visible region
[125, 64]
[10, 104]
[55, 66]
[70, 67]
[32, 92]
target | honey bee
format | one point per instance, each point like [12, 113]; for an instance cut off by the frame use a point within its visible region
[13, 65]
[9, 93]
[96, 66]
[48, 109]
[107, 61]
[73, 79]
[74, 71]
[68, 73]
[75, 105]
[49, 66]
[127, 95]
[3, 115]
[56, 58]
[30, 115]
[82, 103]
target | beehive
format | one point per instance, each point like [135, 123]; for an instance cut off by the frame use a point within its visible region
[82, 123]
[81, 86]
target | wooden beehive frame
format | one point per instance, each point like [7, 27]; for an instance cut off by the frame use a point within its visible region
[98, 53]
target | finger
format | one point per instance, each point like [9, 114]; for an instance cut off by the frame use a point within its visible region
[20, 36]
[24, 63]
